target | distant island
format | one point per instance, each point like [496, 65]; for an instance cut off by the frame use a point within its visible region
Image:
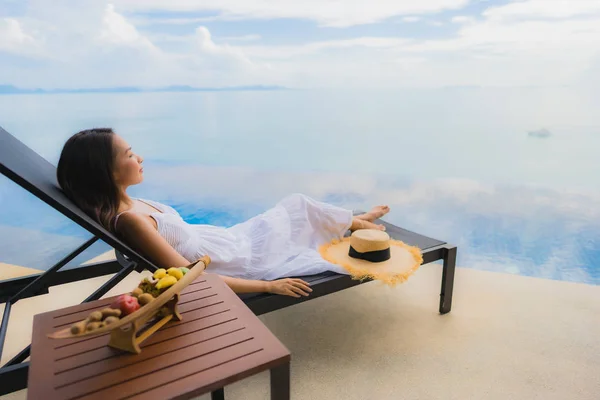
[9, 89]
[540, 133]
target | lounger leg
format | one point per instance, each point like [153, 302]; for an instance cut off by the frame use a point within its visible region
[447, 280]
[218, 394]
[280, 382]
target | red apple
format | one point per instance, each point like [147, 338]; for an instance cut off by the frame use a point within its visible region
[126, 303]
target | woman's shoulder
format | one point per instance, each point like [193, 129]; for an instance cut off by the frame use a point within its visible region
[163, 208]
[131, 221]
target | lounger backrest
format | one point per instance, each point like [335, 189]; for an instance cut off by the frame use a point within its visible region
[35, 174]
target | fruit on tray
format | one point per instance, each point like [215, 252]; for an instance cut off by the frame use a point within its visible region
[110, 320]
[176, 272]
[147, 285]
[159, 281]
[165, 282]
[78, 327]
[96, 320]
[145, 298]
[160, 273]
[95, 316]
[110, 312]
[147, 291]
[126, 303]
[93, 325]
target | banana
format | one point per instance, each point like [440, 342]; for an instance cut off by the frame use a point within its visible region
[165, 282]
[176, 272]
[160, 273]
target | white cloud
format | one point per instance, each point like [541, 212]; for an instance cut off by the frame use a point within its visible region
[139, 20]
[526, 35]
[89, 43]
[491, 51]
[462, 19]
[326, 13]
[102, 47]
[513, 52]
[204, 39]
[544, 9]
[219, 56]
[411, 19]
[276, 52]
[118, 31]
[13, 38]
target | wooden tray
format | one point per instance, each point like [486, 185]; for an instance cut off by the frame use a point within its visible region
[124, 332]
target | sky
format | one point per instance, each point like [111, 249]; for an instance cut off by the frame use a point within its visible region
[299, 44]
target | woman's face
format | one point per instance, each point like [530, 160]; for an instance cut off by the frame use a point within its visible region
[127, 165]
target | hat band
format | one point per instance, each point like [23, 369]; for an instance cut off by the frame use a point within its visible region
[372, 256]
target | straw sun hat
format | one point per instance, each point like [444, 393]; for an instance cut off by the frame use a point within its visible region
[370, 253]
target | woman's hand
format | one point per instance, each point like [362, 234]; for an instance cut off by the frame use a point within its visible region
[289, 287]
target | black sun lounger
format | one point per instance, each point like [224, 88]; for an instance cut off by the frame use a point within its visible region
[35, 174]
[330, 282]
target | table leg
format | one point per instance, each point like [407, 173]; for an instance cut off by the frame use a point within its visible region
[280, 382]
[218, 394]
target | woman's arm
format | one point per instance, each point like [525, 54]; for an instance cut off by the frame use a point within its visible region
[240, 285]
[142, 235]
[288, 286]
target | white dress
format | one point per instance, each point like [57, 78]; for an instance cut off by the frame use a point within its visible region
[281, 242]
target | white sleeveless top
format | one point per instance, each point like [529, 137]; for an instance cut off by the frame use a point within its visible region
[280, 242]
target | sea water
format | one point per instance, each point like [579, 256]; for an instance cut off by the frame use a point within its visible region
[464, 165]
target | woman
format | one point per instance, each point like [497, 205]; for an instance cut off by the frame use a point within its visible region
[97, 166]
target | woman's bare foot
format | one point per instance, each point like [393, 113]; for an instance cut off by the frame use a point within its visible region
[375, 213]
[360, 223]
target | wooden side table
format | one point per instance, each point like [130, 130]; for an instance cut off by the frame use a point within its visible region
[218, 342]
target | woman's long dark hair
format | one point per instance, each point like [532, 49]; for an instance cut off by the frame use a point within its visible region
[85, 174]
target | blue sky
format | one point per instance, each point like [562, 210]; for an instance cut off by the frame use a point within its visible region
[314, 43]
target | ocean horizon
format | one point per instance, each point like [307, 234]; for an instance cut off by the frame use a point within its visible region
[13, 90]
